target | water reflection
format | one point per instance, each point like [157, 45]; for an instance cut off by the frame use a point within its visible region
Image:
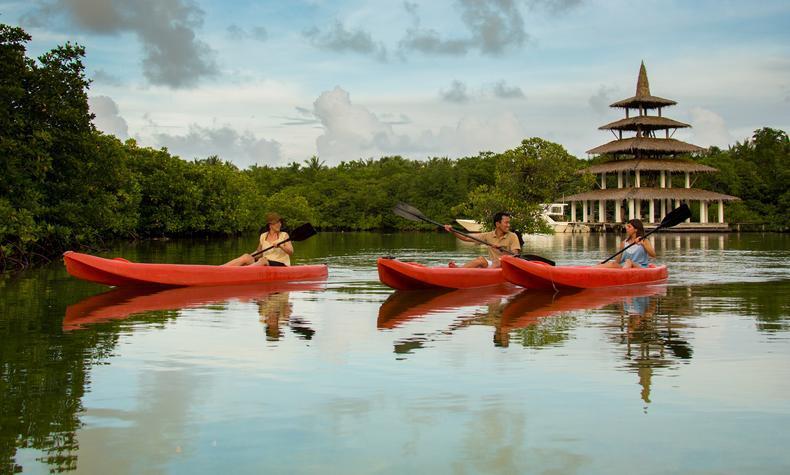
[121, 303]
[564, 366]
[468, 304]
[276, 312]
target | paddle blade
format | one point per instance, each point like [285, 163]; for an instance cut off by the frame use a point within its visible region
[408, 212]
[676, 216]
[302, 232]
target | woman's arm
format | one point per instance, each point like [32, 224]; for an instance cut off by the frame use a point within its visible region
[288, 248]
[648, 247]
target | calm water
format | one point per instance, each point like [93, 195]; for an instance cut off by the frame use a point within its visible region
[348, 376]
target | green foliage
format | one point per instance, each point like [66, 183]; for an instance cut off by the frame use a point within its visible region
[757, 171]
[536, 172]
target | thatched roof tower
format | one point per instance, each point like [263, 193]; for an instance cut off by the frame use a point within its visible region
[651, 158]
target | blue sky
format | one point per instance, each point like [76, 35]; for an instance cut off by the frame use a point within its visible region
[275, 82]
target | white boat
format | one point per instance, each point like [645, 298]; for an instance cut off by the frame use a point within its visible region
[554, 215]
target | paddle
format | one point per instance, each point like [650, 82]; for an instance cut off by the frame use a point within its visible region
[298, 234]
[675, 217]
[413, 214]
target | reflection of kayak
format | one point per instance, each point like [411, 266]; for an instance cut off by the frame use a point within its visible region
[122, 272]
[532, 304]
[537, 275]
[403, 306]
[410, 275]
[122, 302]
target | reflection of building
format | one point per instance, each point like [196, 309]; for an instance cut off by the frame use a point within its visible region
[644, 166]
[647, 335]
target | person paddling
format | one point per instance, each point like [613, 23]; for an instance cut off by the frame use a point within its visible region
[637, 255]
[279, 255]
[499, 238]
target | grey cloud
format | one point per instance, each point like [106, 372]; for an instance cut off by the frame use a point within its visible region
[108, 118]
[103, 77]
[429, 42]
[555, 6]
[243, 149]
[236, 32]
[456, 93]
[495, 24]
[493, 27]
[502, 90]
[600, 100]
[338, 38]
[258, 33]
[173, 56]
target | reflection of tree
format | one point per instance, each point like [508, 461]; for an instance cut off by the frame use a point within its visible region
[276, 311]
[43, 375]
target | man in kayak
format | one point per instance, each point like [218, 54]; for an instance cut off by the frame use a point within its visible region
[637, 255]
[279, 255]
[499, 240]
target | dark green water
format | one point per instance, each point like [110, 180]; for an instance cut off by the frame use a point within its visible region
[350, 377]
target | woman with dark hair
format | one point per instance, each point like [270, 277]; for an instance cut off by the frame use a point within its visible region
[636, 255]
[273, 235]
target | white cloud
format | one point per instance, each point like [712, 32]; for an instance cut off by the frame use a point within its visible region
[108, 118]
[709, 129]
[243, 149]
[352, 131]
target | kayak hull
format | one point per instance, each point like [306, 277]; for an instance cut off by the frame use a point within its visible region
[412, 276]
[537, 275]
[120, 272]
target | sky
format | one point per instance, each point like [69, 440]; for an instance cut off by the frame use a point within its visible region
[275, 82]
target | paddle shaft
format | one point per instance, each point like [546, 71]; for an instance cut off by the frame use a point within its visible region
[428, 220]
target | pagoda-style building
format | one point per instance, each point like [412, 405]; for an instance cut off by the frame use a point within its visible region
[647, 169]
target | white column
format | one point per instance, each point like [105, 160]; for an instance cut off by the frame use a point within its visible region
[638, 179]
[663, 179]
[669, 179]
[630, 208]
[688, 180]
[584, 211]
[617, 214]
[652, 217]
[620, 179]
[638, 212]
[603, 180]
[601, 211]
[573, 211]
[721, 211]
[703, 212]
[663, 208]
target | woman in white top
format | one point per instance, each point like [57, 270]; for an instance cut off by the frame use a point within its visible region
[280, 255]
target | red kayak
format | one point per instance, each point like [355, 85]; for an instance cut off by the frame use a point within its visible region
[410, 276]
[120, 272]
[537, 275]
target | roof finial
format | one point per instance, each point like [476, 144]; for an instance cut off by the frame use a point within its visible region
[642, 86]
